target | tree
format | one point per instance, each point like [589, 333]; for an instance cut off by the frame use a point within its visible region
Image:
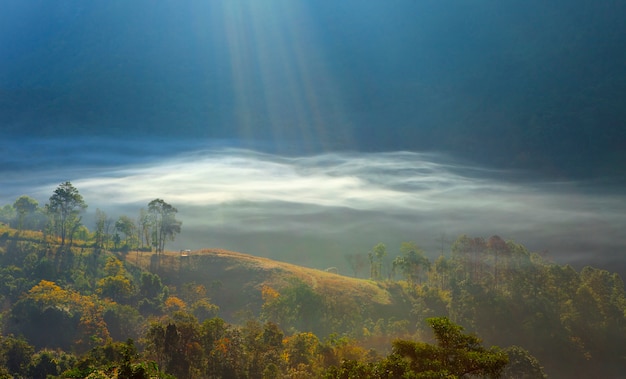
[203, 309]
[65, 205]
[376, 256]
[143, 227]
[455, 355]
[50, 363]
[103, 228]
[116, 285]
[300, 350]
[498, 247]
[123, 321]
[152, 293]
[50, 316]
[127, 369]
[297, 305]
[24, 206]
[7, 214]
[126, 226]
[442, 270]
[224, 350]
[15, 355]
[468, 253]
[522, 365]
[164, 223]
[356, 261]
[412, 262]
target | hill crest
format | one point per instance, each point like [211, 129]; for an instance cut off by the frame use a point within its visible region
[236, 279]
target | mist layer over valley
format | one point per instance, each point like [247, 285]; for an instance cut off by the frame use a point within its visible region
[314, 210]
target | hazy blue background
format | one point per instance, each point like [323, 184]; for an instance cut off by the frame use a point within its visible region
[511, 117]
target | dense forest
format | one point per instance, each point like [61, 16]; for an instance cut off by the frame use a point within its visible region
[112, 302]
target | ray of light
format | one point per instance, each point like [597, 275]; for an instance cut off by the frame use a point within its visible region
[279, 75]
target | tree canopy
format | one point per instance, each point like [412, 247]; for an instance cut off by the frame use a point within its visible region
[65, 206]
[164, 223]
[298, 322]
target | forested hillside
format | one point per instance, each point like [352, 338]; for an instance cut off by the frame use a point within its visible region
[78, 303]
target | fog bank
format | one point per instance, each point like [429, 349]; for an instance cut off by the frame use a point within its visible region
[314, 210]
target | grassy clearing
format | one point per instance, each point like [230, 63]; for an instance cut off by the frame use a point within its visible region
[244, 270]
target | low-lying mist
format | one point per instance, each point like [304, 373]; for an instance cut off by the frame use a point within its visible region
[313, 210]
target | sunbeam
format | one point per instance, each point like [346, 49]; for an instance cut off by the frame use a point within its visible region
[280, 77]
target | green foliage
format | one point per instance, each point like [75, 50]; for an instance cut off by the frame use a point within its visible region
[126, 226]
[455, 355]
[123, 321]
[101, 234]
[13, 283]
[151, 287]
[522, 365]
[152, 294]
[296, 306]
[64, 207]
[203, 309]
[376, 256]
[127, 368]
[429, 302]
[46, 363]
[7, 214]
[50, 316]
[15, 355]
[412, 263]
[561, 316]
[112, 360]
[350, 369]
[117, 288]
[573, 322]
[26, 209]
[164, 223]
[300, 350]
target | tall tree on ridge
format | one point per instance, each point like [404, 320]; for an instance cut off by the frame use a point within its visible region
[126, 225]
[103, 228]
[24, 206]
[164, 223]
[65, 205]
[412, 262]
[498, 247]
[144, 223]
[376, 256]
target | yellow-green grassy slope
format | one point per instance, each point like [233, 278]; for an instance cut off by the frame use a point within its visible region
[235, 282]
